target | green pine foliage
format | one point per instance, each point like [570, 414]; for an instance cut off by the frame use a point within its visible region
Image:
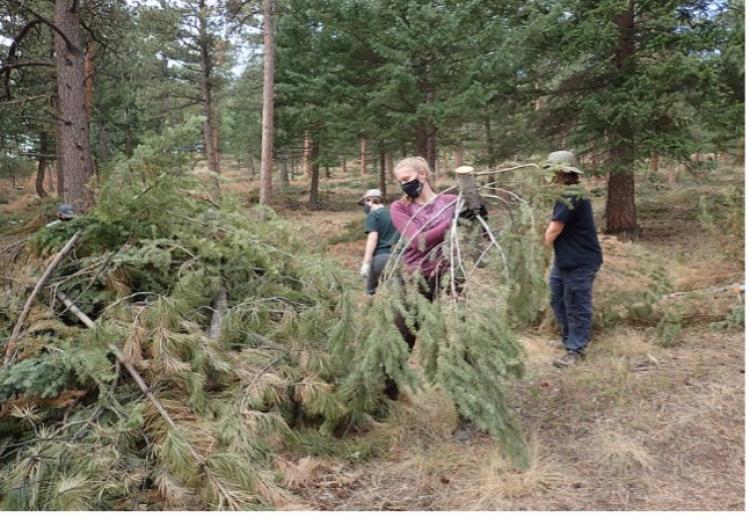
[526, 265]
[465, 342]
[480, 354]
[150, 262]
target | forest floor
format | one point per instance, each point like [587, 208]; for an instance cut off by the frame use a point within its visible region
[637, 426]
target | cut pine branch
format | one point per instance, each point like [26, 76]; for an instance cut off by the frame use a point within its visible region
[11, 346]
[197, 456]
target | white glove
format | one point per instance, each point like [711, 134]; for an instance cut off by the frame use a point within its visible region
[364, 271]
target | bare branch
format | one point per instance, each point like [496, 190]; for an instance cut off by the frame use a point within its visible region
[23, 64]
[71, 47]
[25, 99]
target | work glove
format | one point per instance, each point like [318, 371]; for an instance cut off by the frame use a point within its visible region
[471, 213]
[364, 271]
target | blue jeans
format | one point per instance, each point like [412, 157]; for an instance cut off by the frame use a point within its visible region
[570, 298]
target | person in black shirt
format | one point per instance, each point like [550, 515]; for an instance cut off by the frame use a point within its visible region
[578, 257]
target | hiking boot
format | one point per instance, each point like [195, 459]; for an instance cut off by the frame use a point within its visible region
[569, 359]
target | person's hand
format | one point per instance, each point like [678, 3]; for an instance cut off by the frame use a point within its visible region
[472, 213]
[364, 271]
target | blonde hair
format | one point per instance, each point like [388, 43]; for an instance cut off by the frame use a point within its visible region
[415, 163]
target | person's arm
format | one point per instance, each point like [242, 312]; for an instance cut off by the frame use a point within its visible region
[554, 229]
[372, 243]
[562, 212]
[408, 229]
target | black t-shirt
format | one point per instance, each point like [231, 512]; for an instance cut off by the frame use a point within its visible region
[380, 221]
[578, 244]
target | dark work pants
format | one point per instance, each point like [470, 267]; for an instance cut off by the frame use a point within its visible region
[571, 301]
[376, 269]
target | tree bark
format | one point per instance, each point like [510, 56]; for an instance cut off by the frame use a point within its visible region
[217, 147]
[284, 173]
[204, 43]
[59, 168]
[72, 127]
[491, 152]
[314, 175]
[251, 164]
[306, 155]
[50, 175]
[88, 70]
[42, 165]
[620, 208]
[363, 156]
[266, 153]
[426, 144]
[427, 132]
[654, 162]
[672, 175]
[382, 176]
[458, 157]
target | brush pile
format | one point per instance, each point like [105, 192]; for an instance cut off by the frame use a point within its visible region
[237, 337]
[183, 343]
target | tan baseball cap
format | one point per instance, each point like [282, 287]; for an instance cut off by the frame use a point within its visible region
[373, 192]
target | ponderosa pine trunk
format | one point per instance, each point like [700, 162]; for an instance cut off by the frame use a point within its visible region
[266, 152]
[209, 125]
[620, 209]
[382, 175]
[312, 201]
[363, 156]
[59, 169]
[427, 132]
[491, 153]
[72, 126]
[426, 144]
[251, 164]
[307, 155]
[284, 173]
[88, 70]
[42, 164]
[458, 157]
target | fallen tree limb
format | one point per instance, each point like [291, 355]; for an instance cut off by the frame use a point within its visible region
[736, 287]
[10, 347]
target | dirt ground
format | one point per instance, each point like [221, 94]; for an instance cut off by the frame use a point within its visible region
[637, 426]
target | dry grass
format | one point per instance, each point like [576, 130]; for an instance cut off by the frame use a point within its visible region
[298, 474]
[616, 449]
[635, 427]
